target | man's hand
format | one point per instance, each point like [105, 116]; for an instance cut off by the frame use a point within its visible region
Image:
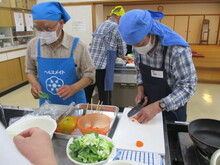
[35, 89]
[140, 96]
[66, 91]
[149, 112]
[35, 144]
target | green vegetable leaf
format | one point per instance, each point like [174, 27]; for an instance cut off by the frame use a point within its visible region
[43, 95]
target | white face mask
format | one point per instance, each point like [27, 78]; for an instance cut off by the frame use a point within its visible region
[145, 49]
[48, 37]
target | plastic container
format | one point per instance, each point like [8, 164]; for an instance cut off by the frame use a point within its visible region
[96, 122]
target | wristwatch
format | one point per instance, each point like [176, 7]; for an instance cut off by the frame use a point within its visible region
[162, 105]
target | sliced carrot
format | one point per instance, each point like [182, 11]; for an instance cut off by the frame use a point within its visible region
[91, 127]
[135, 118]
[139, 144]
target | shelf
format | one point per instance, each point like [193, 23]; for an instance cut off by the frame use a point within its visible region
[25, 36]
[2, 38]
[2, 50]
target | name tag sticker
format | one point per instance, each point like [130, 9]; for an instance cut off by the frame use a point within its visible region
[157, 74]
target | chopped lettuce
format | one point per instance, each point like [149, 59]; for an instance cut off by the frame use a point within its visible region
[90, 148]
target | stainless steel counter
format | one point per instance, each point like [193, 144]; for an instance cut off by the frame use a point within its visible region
[60, 144]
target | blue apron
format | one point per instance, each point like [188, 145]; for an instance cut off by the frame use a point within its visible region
[111, 58]
[56, 72]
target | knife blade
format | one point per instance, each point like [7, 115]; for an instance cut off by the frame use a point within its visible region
[134, 110]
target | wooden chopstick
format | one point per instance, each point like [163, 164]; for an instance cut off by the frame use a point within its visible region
[87, 106]
[91, 104]
[97, 107]
[100, 106]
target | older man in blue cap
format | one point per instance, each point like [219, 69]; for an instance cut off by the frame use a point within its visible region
[166, 76]
[56, 63]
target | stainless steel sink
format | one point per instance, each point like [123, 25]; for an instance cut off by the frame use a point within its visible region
[7, 113]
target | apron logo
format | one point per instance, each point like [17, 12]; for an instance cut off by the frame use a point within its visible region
[53, 83]
[61, 72]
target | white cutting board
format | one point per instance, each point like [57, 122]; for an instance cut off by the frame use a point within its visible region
[151, 134]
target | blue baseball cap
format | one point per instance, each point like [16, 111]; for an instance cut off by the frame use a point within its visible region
[51, 11]
[136, 24]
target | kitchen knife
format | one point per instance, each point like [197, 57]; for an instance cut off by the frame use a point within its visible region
[135, 110]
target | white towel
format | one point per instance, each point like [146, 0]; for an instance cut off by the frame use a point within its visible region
[148, 158]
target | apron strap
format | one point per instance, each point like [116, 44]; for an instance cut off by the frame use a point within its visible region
[75, 42]
[38, 49]
[164, 56]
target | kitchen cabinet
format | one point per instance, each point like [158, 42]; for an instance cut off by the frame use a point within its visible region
[4, 3]
[194, 31]
[6, 39]
[21, 4]
[21, 37]
[189, 27]
[30, 3]
[181, 25]
[22, 63]
[9, 37]
[11, 74]
[169, 21]
[12, 69]
[5, 17]
[213, 28]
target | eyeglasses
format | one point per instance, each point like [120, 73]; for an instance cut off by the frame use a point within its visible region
[47, 29]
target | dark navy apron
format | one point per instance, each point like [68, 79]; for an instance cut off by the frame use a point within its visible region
[111, 58]
[56, 72]
[157, 88]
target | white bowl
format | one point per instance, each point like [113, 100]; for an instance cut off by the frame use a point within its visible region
[110, 158]
[45, 123]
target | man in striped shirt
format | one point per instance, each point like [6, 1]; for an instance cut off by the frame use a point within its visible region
[105, 47]
[166, 76]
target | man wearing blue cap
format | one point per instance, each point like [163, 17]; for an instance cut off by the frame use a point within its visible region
[56, 63]
[166, 76]
[106, 46]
